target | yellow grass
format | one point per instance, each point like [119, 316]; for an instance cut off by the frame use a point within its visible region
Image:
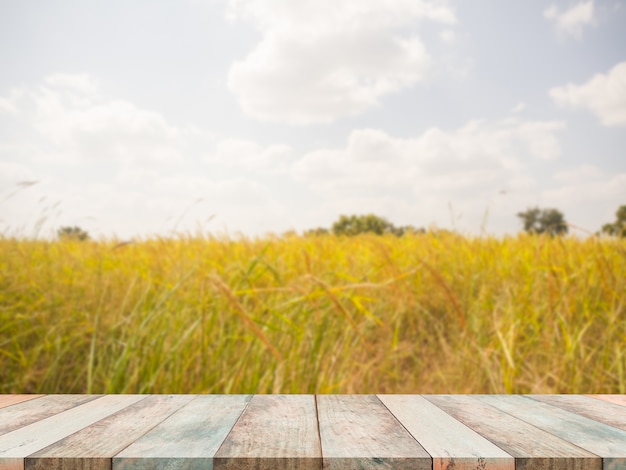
[417, 314]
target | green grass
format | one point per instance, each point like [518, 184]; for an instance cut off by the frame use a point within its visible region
[416, 314]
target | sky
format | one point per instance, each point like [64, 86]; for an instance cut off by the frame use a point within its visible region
[249, 117]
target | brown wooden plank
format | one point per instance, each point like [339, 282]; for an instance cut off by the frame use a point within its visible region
[28, 412]
[617, 399]
[275, 431]
[16, 445]
[450, 443]
[188, 439]
[94, 446]
[8, 400]
[598, 410]
[532, 448]
[359, 432]
[601, 439]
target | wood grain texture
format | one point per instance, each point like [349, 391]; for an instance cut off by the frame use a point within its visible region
[450, 443]
[275, 431]
[601, 439]
[94, 446]
[8, 400]
[617, 399]
[598, 410]
[359, 432]
[188, 439]
[532, 448]
[27, 412]
[15, 446]
[460, 432]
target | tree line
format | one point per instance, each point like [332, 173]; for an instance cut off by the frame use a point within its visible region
[534, 221]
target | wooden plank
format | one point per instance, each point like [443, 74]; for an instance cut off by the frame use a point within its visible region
[16, 445]
[532, 448]
[8, 400]
[275, 431]
[358, 432]
[598, 410]
[617, 399]
[450, 443]
[94, 446]
[603, 440]
[188, 439]
[25, 413]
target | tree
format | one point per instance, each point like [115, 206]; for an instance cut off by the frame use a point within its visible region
[370, 223]
[356, 224]
[617, 228]
[550, 221]
[72, 233]
[399, 231]
[315, 232]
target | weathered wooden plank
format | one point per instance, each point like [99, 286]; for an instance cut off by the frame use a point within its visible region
[8, 400]
[617, 399]
[27, 412]
[18, 444]
[188, 439]
[65, 432]
[603, 440]
[94, 446]
[450, 443]
[359, 432]
[275, 431]
[532, 448]
[599, 410]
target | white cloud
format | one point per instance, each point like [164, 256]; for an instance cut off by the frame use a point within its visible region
[75, 123]
[572, 21]
[81, 83]
[482, 170]
[70, 119]
[6, 106]
[138, 202]
[249, 155]
[479, 157]
[321, 60]
[541, 139]
[114, 129]
[579, 175]
[448, 36]
[13, 173]
[182, 202]
[604, 95]
[587, 196]
[519, 107]
[10, 103]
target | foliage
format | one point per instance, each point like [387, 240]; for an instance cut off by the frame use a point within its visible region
[370, 223]
[537, 221]
[72, 233]
[617, 228]
[314, 232]
[363, 314]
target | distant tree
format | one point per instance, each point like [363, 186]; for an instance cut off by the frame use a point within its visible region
[72, 233]
[408, 229]
[617, 228]
[356, 224]
[550, 221]
[316, 232]
[370, 223]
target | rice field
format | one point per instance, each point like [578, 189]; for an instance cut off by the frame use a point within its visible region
[422, 313]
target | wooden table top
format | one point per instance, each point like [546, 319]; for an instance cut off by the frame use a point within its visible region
[443, 432]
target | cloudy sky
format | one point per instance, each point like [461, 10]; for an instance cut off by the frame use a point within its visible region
[254, 116]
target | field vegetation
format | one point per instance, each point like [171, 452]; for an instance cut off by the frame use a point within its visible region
[421, 313]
